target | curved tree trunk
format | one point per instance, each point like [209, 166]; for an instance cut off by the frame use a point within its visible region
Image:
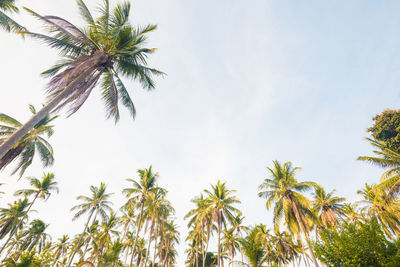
[87, 244]
[307, 237]
[155, 244]
[68, 90]
[137, 232]
[80, 239]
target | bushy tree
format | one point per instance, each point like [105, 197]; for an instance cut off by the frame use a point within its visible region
[386, 129]
[357, 244]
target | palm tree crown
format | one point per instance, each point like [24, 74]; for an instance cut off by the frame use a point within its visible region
[34, 141]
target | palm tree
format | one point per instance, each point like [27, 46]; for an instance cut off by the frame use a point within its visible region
[253, 247]
[10, 219]
[389, 159]
[221, 200]
[237, 225]
[139, 192]
[230, 242]
[327, 206]
[60, 248]
[285, 191]
[103, 50]
[34, 237]
[6, 22]
[32, 142]
[386, 211]
[97, 202]
[200, 218]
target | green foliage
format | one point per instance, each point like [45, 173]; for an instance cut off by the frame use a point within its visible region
[386, 129]
[357, 244]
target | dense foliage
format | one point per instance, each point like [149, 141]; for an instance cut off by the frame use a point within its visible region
[386, 129]
[357, 244]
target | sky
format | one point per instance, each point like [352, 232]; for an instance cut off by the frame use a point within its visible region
[247, 82]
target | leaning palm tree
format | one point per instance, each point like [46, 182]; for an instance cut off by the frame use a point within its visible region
[96, 204]
[10, 219]
[138, 193]
[390, 160]
[221, 200]
[60, 248]
[104, 50]
[6, 22]
[285, 191]
[31, 143]
[34, 237]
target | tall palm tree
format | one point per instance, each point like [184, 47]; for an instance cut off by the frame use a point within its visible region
[139, 192]
[60, 248]
[104, 49]
[327, 206]
[10, 219]
[230, 243]
[221, 200]
[32, 142]
[6, 22]
[97, 202]
[376, 205]
[285, 191]
[200, 218]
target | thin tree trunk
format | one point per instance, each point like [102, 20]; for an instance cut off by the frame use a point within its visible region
[208, 241]
[137, 232]
[19, 224]
[155, 244]
[219, 239]
[87, 244]
[202, 242]
[297, 214]
[68, 90]
[148, 246]
[80, 239]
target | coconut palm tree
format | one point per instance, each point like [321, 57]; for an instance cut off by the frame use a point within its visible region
[97, 204]
[230, 243]
[6, 22]
[253, 247]
[390, 160]
[327, 206]
[285, 191]
[60, 248]
[41, 189]
[31, 143]
[138, 193]
[105, 49]
[237, 225]
[200, 219]
[10, 219]
[34, 237]
[376, 205]
[221, 200]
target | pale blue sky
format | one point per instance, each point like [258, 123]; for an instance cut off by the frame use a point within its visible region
[248, 82]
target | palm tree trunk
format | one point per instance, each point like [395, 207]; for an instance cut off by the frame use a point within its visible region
[80, 239]
[298, 218]
[19, 224]
[137, 232]
[202, 242]
[208, 241]
[219, 239]
[68, 90]
[155, 244]
[87, 243]
[148, 246]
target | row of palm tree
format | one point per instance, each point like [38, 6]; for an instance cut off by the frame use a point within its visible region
[142, 233]
[298, 219]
